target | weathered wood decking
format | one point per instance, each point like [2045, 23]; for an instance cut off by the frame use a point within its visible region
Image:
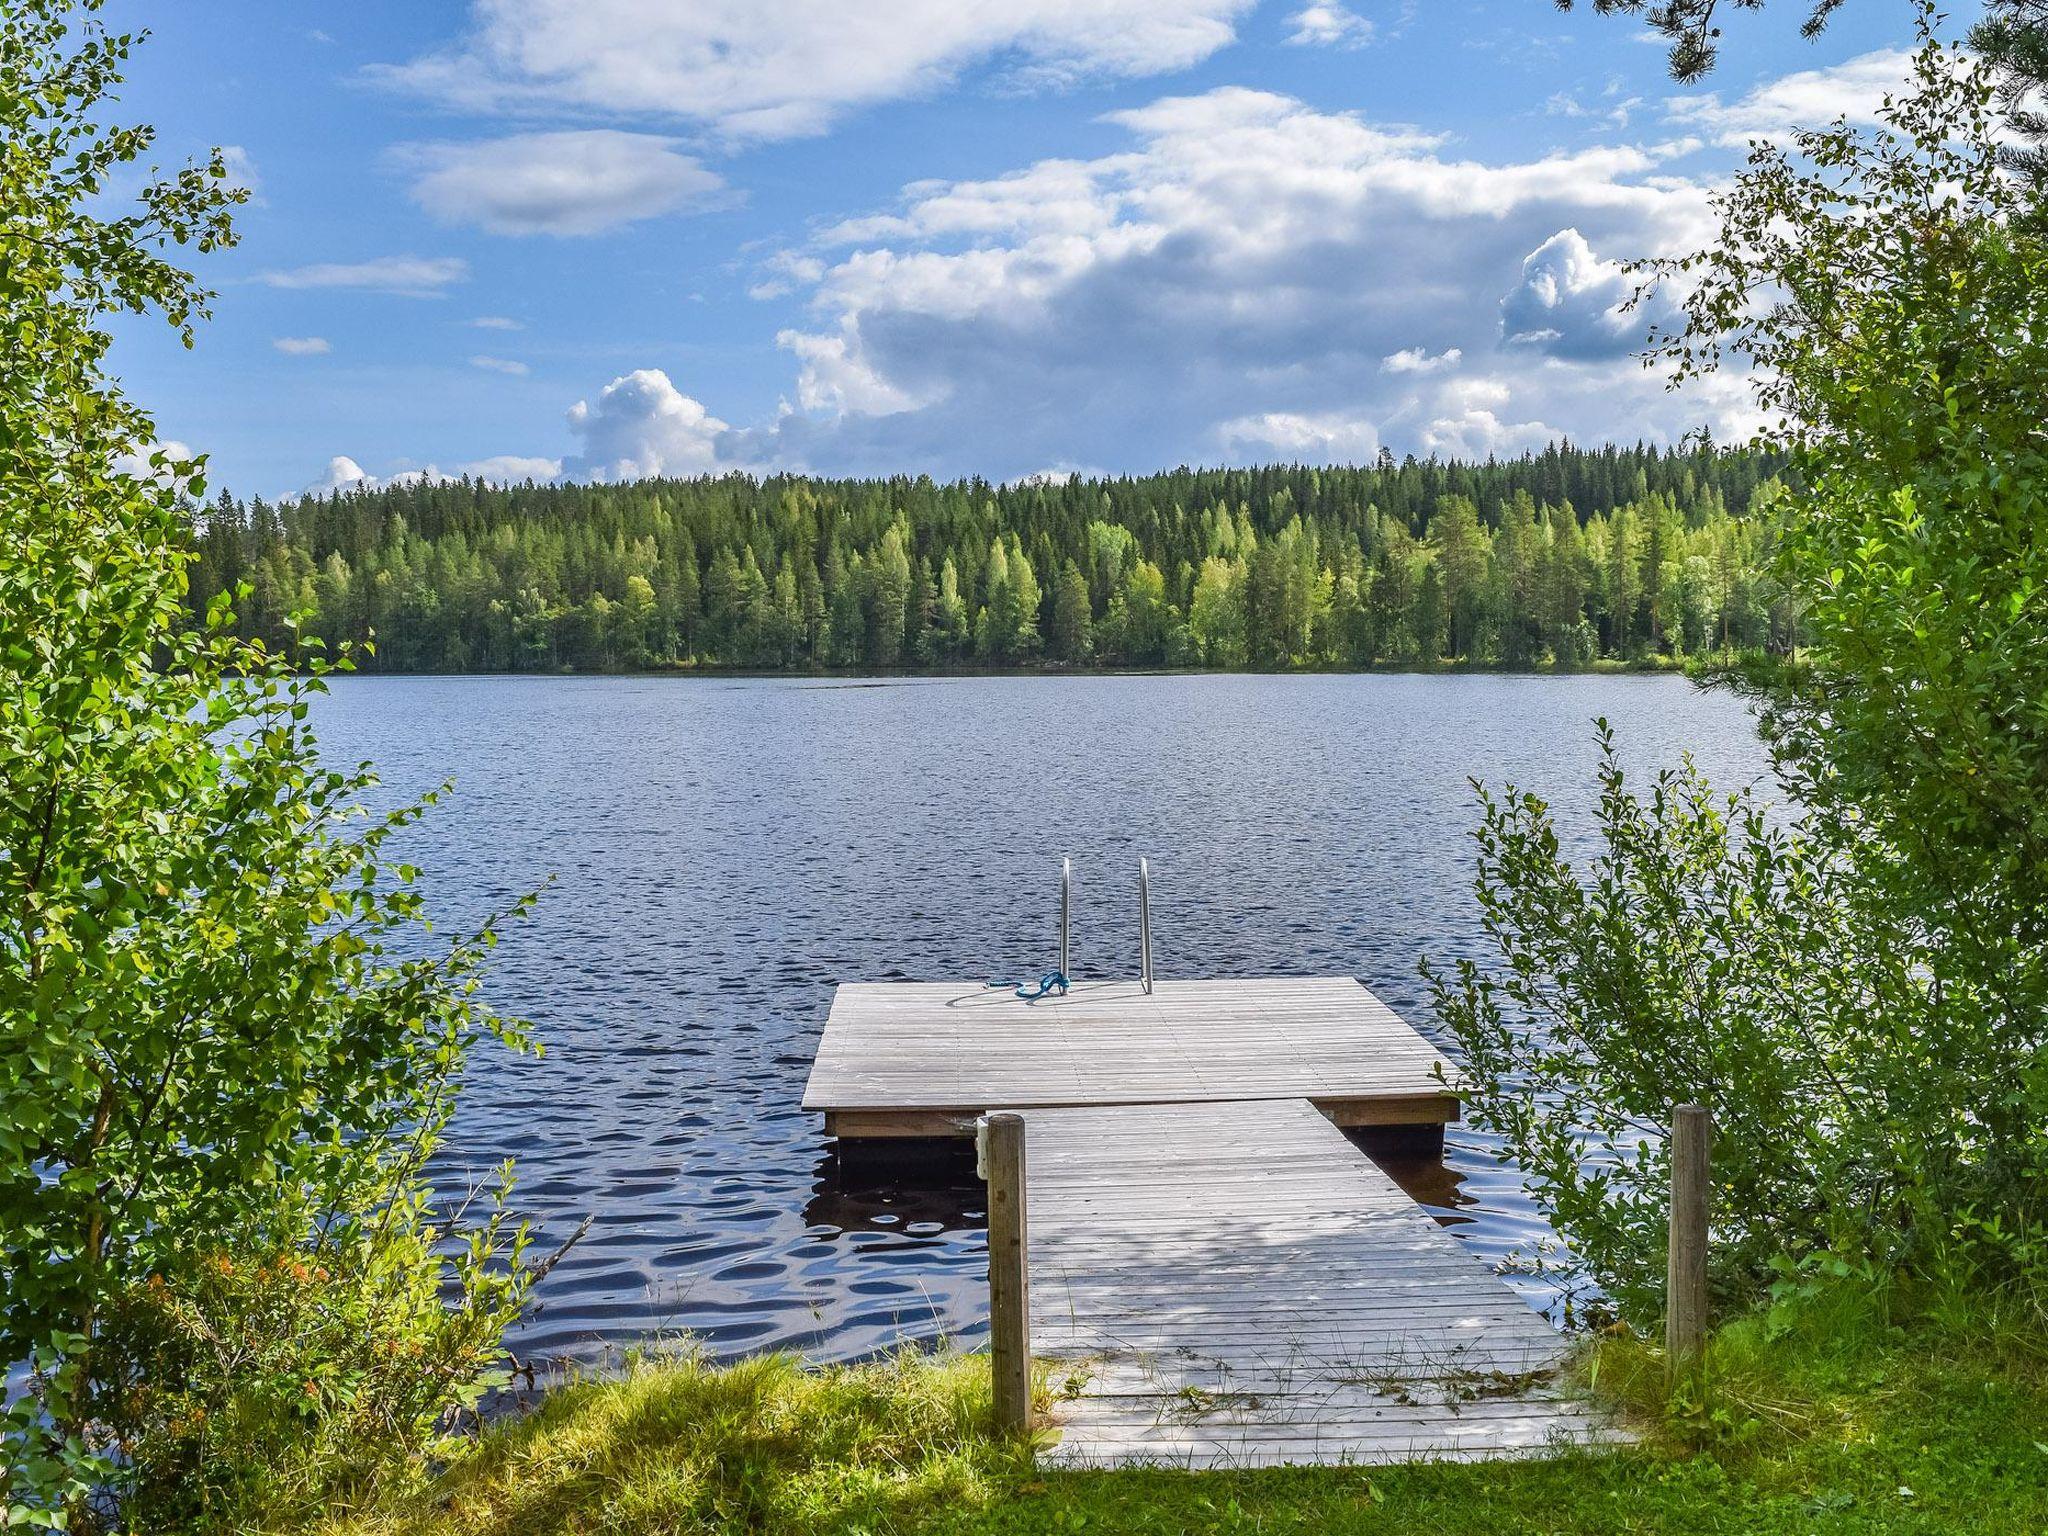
[925, 1058]
[1221, 1275]
[1234, 1284]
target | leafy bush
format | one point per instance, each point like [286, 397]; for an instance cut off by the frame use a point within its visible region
[223, 1026]
[258, 1385]
[1707, 954]
[1860, 992]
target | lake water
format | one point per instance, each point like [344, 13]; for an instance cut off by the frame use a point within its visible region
[726, 850]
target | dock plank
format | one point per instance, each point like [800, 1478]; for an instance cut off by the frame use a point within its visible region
[1232, 1283]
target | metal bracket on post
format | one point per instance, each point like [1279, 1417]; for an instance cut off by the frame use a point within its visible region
[1145, 922]
[981, 1148]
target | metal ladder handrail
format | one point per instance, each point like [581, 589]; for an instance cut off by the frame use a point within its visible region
[1066, 908]
[1145, 922]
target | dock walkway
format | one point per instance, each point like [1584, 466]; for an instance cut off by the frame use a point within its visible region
[1234, 1284]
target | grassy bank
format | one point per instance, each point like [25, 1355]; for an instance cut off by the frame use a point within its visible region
[1836, 1419]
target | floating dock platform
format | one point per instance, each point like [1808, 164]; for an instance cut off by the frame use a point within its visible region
[1208, 1272]
[928, 1058]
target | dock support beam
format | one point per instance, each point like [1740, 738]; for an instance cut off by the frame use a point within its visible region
[1009, 1298]
[1685, 1276]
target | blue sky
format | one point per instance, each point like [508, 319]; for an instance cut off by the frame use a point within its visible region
[603, 238]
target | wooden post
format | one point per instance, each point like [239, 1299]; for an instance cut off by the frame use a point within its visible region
[1009, 1286]
[1685, 1276]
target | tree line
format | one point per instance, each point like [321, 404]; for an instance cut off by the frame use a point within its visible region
[1564, 557]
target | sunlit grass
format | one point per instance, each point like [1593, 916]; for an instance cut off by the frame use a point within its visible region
[1837, 1418]
[675, 1444]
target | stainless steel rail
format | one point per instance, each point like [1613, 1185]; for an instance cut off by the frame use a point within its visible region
[1145, 921]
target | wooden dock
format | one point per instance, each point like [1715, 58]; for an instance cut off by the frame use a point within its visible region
[1216, 1275]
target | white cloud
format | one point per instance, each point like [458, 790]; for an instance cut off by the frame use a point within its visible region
[1329, 26]
[512, 468]
[1614, 111]
[1244, 274]
[1568, 302]
[343, 474]
[573, 183]
[783, 273]
[346, 476]
[135, 464]
[505, 365]
[495, 323]
[413, 277]
[302, 346]
[1420, 360]
[1325, 438]
[642, 426]
[242, 171]
[768, 69]
[836, 378]
[1810, 98]
[1249, 272]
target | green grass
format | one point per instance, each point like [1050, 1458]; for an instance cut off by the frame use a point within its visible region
[1841, 1421]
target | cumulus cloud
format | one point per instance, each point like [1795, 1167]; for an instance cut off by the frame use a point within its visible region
[1250, 273]
[1806, 99]
[641, 426]
[302, 346]
[1420, 360]
[505, 365]
[1329, 26]
[1570, 303]
[1244, 274]
[512, 468]
[770, 69]
[1326, 438]
[136, 463]
[571, 183]
[345, 476]
[412, 277]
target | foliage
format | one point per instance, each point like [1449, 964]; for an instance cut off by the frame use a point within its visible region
[1842, 1415]
[2012, 38]
[1627, 554]
[219, 1025]
[1704, 955]
[1906, 359]
[260, 1382]
[1861, 994]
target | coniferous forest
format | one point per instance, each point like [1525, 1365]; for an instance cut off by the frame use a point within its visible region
[1563, 558]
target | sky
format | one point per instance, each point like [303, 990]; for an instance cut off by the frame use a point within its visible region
[603, 239]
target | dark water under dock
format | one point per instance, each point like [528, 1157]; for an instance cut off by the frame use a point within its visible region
[727, 851]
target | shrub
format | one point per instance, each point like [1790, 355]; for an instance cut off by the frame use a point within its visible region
[224, 1026]
[1860, 990]
[261, 1381]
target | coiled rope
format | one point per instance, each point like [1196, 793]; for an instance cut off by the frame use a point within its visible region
[1051, 981]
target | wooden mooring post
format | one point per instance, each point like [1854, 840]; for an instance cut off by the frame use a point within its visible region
[1009, 1285]
[1685, 1275]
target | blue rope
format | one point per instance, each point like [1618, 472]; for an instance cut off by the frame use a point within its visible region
[1050, 981]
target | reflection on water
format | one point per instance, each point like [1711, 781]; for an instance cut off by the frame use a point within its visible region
[727, 850]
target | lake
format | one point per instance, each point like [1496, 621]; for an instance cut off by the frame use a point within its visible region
[727, 850]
